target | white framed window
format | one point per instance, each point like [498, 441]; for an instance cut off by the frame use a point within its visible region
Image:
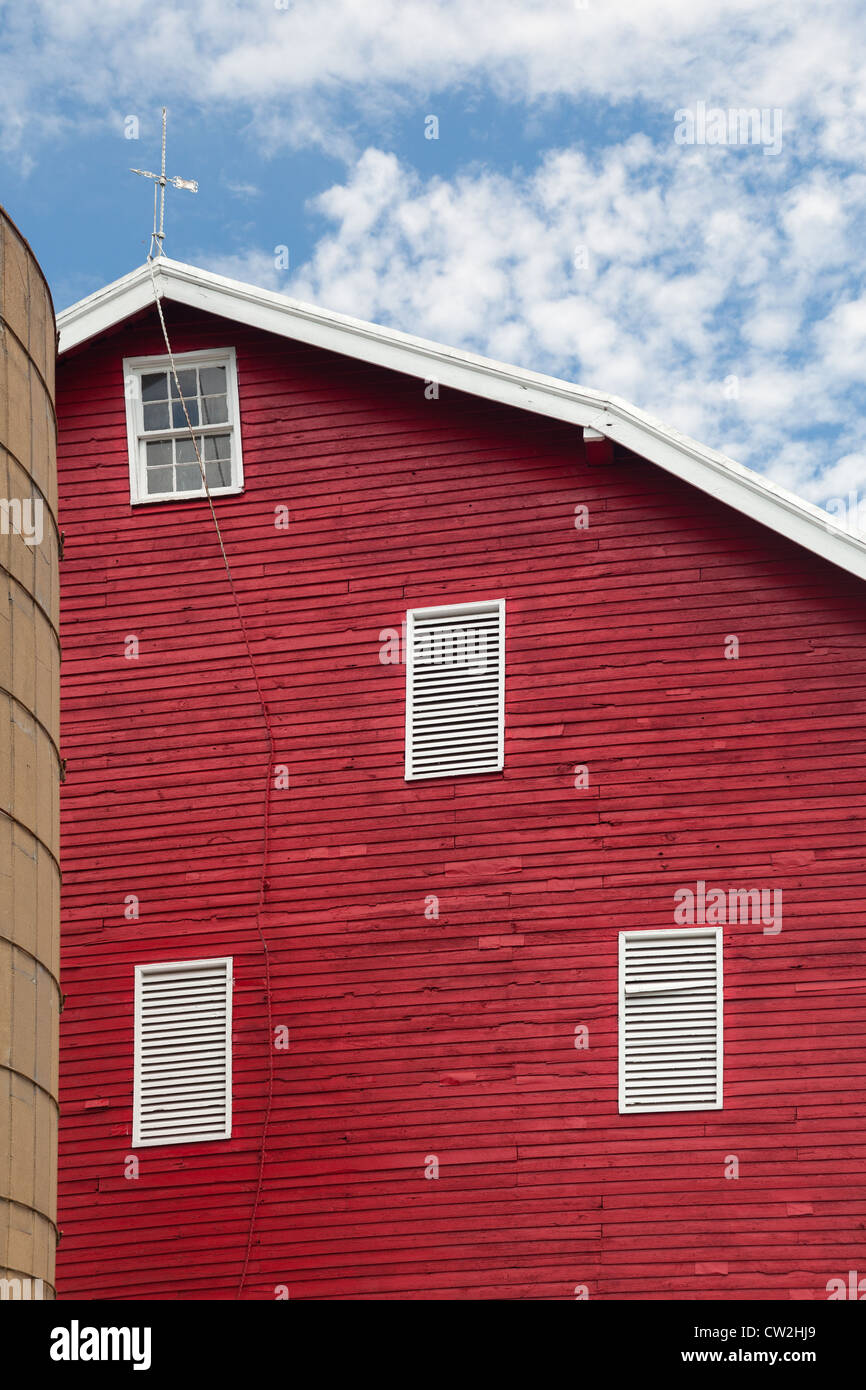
[670, 1020]
[455, 689]
[162, 457]
[183, 1052]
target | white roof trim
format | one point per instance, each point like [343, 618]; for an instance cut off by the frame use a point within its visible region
[704, 468]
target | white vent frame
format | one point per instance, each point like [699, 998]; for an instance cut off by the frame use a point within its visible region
[135, 368]
[454, 610]
[140, 1131]
[673, 935]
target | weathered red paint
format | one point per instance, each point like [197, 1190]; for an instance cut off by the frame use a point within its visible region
[454, 1037]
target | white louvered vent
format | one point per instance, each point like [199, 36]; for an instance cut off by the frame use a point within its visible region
[670, 1020]
[455, 689]
[183, 1030]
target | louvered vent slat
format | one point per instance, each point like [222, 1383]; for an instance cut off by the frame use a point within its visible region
[455, 689]
[670, 1020]
[182, 1052]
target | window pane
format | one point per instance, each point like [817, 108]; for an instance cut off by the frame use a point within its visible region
[158, 452]
[214, 410]
[187, 384]
[154, 386]
[188, 477]
[156, 416]
[219, 473]
[159, 480]
[177, 415]
[217, 446]
[213, 381]
[185, 452]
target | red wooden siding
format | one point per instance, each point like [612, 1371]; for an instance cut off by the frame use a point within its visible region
[453, 1037]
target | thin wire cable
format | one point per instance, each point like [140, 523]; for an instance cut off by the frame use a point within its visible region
[267, 803]
[153, 240]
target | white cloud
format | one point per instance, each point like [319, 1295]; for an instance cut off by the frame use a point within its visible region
[243, 190]
[294, 67]
[254, 267]
[721, 288]
[691, 304]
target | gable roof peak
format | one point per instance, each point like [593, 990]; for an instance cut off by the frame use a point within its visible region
[712, 472]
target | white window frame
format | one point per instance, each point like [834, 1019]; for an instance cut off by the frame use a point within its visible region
[136, 367]
[447, 611]
[175, 965]
[683, 934]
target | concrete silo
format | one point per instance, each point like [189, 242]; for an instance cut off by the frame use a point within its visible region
[29, 775]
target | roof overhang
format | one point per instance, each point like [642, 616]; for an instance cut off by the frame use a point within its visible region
[720, 477]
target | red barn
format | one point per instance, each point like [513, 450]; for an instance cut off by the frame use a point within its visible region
[463, 829]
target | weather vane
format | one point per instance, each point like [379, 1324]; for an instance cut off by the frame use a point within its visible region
[157, 237]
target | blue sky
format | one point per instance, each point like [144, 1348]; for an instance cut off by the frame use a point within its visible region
[560, 221]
